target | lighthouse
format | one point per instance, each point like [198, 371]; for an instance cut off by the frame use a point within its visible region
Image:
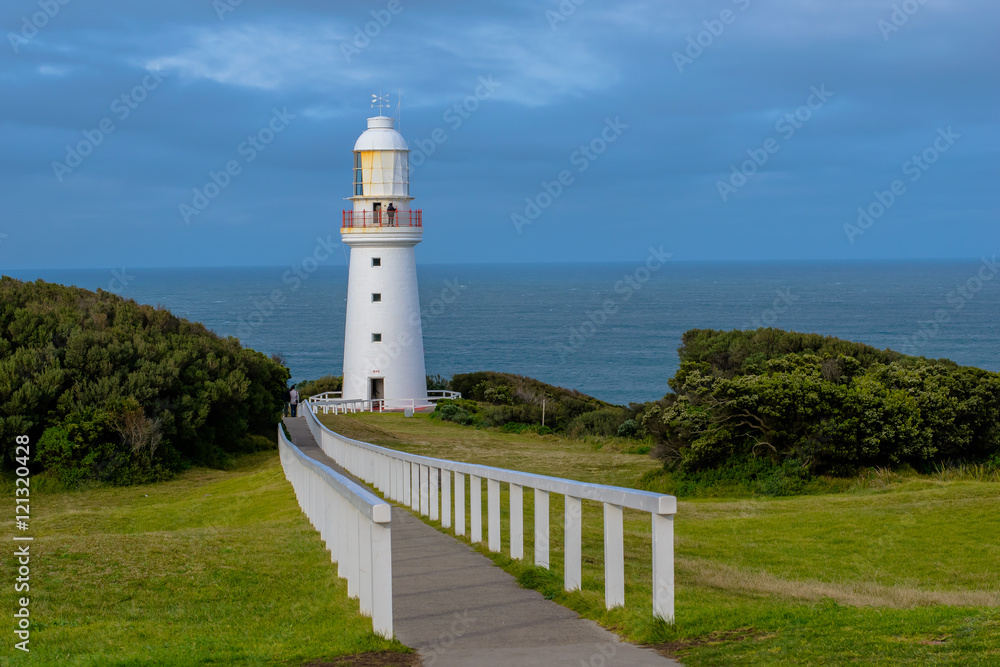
[383, 340]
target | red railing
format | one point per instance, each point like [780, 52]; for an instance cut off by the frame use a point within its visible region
[367, 219]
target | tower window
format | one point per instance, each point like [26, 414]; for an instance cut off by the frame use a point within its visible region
[376, 297]
[359, 189]
[376, 261]
[376, 338]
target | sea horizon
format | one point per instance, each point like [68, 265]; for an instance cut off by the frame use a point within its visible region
[580, 324]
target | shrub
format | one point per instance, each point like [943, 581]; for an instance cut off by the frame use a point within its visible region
[454, 413]
[437, 382]
[499, 395]
[124, 392]
[603, 422]
[629, 428]
[308, 388]
[521, 398]
[829, 406]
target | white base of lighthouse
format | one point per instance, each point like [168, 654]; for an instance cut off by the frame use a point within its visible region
[383, 342]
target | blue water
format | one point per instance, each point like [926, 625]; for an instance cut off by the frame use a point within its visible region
[522, 318]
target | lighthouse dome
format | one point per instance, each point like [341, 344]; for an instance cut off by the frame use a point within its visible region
[381, 135]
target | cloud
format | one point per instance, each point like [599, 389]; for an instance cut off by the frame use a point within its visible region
[536, 65]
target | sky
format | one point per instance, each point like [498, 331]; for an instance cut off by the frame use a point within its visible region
[541, 131]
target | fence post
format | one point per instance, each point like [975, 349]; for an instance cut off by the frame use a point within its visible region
[445, 498]
[663, 566]
[493, 513]
[405, 474]
[381, 550]
[572, 576]
[435, 476]
[516, 521]
[351, 562]
[364, 537]
[476, 508]
[415, 487]
[614, 556]
[541, 528]
[459, 503]
[425, 495]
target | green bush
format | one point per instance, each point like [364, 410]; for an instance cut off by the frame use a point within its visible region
[515, 398]
[452, 412]
[829, 406]
[122, 392]
[603, 422]
[629, 428]
[437, 382]
[308, 388]
[499, 395]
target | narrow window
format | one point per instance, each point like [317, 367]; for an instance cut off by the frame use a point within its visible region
[359, 189]
[376, 338]
[376, 297]
[376, 261]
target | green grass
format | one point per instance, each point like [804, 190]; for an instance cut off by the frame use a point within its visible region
[900, 569]
[212, 568]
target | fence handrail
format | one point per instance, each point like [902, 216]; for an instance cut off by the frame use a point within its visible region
[437, 394]
[366, 502]
[327, 395]
[353, 523]
[647, 501]
[425, 485]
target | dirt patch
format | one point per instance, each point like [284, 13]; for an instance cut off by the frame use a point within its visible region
[383, 659]
[675, 648]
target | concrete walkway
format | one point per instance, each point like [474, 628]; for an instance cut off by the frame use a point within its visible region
[456, 607]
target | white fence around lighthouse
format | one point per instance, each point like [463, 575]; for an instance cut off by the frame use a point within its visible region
[435, 487]
[354, 523]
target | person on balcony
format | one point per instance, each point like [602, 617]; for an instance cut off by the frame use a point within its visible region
[392, 215]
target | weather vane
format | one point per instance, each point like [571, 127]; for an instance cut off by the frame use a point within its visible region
[380, 101]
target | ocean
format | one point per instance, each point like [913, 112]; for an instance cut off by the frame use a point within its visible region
[608, 330]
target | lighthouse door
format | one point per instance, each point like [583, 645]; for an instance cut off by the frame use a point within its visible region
[376, 390]
[377, 214]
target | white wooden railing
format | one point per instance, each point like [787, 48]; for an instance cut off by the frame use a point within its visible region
[435, 395]
[354, 523]
[331, 401]
[327, 395]
[425, 485]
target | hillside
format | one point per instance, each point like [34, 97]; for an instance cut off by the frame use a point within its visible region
[114, 391]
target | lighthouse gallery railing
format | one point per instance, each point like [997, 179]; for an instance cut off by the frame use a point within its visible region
[380, 219]
[425, 485]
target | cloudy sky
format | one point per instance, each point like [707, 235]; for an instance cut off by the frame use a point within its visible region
[722, 130]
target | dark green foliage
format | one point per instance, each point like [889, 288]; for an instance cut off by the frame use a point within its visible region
[514, 427]
[515, 398]
[435, 382]
[751, 475]
[604, 422]
[830, 406]
[454, 413]
[308, 388]
[629, 428]
[122, 391]
[515, 404]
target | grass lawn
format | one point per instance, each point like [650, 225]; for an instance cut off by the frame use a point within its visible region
[908, 573]
[212, 568]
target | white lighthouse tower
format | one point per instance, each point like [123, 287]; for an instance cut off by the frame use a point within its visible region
[383, 340]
